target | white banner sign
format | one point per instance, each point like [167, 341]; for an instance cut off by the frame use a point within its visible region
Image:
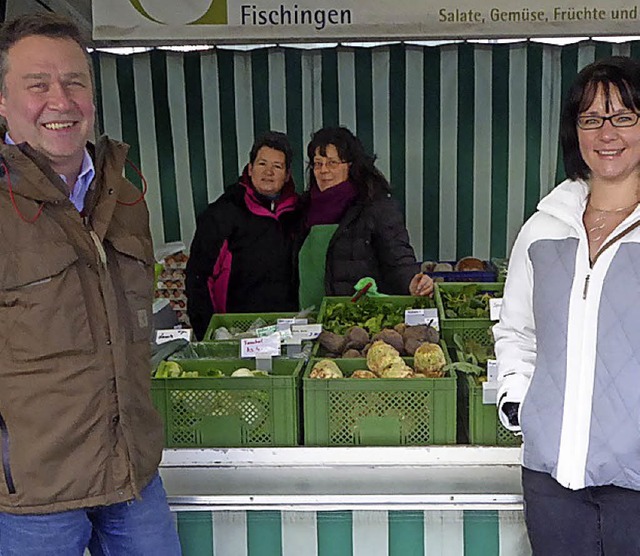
[322, 20]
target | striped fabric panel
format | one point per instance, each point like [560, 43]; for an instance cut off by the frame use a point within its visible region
[466, 133]
[353, 533]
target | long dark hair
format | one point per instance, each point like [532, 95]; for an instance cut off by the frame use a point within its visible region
[362, 171]
[616, 72]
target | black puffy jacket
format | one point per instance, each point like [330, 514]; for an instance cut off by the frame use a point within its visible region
[243, 244]
[371, 240]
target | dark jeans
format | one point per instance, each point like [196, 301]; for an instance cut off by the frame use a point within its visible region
[592, 521]
[141, 527]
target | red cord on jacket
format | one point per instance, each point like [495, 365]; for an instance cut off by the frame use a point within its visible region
[13, 200]
[41, 205]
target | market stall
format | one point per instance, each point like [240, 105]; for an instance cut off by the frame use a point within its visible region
[427, 110]
[285, 463]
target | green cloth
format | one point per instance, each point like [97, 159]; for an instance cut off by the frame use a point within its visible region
[312, 264]
[372, 291]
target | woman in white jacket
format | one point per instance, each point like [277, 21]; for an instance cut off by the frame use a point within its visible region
[568, 340]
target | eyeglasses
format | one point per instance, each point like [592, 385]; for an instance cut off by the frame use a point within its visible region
[330, 164]
[627, 119]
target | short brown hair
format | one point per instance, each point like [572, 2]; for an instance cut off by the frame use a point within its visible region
[44, 24]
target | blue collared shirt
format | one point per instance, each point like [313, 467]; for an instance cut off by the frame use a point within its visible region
[85, 177]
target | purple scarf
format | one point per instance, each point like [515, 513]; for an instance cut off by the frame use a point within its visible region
[329, 206]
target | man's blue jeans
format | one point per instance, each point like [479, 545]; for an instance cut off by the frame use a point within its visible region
[141, 527]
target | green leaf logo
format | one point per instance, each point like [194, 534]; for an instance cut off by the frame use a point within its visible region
[215, 14]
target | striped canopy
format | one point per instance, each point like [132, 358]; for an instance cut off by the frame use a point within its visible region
[466, 133]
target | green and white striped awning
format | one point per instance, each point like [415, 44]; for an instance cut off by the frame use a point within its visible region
[353, 533]
[467, 133]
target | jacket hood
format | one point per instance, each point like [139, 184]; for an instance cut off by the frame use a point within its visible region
[567, 202]
[287, 201]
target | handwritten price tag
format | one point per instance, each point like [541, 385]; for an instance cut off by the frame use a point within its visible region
[495, 304]
[306, 331]
[415, 317]
[166, 335]
[268, 346]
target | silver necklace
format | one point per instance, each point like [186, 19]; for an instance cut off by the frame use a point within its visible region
[600, 220]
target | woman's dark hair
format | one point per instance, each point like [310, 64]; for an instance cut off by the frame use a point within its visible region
[615, 73]
[362, 171]
[274, 140]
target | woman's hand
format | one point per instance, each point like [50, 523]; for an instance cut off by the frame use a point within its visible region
[421, 284]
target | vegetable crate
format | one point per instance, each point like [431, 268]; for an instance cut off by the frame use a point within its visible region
[377, 411]
[220, 349]
[480, 421]
[241, 321]
[230, 411]
[379, 312]
[337, 314]
[225, 349]
[477, 328]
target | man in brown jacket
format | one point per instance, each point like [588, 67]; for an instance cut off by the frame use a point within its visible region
[80, 441]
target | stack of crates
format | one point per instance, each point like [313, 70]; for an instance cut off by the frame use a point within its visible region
[201, 412]
[378, 411]
[479, 421]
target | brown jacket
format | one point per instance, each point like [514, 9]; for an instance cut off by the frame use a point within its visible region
[77, 426]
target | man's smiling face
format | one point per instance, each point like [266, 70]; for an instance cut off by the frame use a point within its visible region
[47, 98]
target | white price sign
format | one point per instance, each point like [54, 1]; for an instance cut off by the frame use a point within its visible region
[415, 317]
[268, 346]
[492, 370]
[495, 304]
[167, 335]
[489, 393]
[266, 330]
[285, 324]
[306, 331]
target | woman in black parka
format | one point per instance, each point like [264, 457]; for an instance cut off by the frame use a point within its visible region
[351, 228]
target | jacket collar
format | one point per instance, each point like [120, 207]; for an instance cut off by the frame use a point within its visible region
[286, 202]
[33, 178]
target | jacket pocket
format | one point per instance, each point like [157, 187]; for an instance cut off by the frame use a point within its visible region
[43, 312]
[4, 450]
[133, 276]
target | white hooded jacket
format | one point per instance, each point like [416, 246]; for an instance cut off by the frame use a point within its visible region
[568, 345]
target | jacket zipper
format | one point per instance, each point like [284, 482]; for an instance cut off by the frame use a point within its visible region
[604, 248]
[6, 467]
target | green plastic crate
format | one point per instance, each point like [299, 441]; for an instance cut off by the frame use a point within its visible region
[480, 421]
[230, 411]
[403, 301]
[241, 321]
[478, 329]
[228, 349]
[221, 349]
[378, 412]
